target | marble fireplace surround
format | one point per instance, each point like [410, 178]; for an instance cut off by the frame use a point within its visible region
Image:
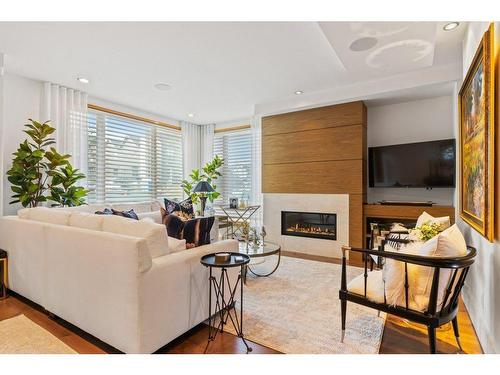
[338, 204]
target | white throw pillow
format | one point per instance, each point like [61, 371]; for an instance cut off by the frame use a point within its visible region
[155, 216]
[155, 234]
[449, 243]
[85, 220]
[394, 276]
[176, 245]
[443, 221]
[45, 215]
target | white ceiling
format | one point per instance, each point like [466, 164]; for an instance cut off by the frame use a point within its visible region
[218, 70]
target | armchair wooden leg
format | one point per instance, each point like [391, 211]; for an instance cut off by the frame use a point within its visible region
[343, 308]
[432, 339]
[454, 322]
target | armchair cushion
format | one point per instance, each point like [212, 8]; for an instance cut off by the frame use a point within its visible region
[374, 286]
[375, 289]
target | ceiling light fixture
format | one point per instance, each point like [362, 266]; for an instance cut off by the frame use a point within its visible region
[190, 114]
[299, 92]
[162, 86]
[450, 26]
[363, 44]
[83, 80]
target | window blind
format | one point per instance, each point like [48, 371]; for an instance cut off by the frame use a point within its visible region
[236, 180]
[132, 161]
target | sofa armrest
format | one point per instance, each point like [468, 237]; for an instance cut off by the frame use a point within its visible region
[174, 294]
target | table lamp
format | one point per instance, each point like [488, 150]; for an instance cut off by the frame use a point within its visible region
[203, 187]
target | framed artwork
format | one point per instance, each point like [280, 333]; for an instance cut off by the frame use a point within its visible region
[233, 202]
[477, 124]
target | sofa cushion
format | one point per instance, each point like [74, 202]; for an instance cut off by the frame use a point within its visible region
[176, 245]
[155, 216]
[45, 215]
[85, 220]
[155, 234]
[443, 221]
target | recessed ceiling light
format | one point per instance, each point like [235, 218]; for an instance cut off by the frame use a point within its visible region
[190, 114]
[299, 92]
[450, 26]
[363, 44]
[163, 86]
[83, 80]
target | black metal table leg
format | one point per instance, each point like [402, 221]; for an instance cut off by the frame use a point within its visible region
[225, 306]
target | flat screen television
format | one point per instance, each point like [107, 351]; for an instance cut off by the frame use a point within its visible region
[423, 164]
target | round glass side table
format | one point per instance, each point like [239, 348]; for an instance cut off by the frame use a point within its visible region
[260, 254]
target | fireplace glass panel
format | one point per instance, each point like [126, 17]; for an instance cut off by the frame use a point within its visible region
[309, 224]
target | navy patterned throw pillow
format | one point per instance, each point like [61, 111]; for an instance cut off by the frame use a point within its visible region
[186, 206]
[128, 214]
[196, 231]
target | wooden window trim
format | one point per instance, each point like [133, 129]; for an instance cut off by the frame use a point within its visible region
[133, 117]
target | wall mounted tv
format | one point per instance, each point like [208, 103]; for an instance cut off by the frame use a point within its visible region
[423, 164]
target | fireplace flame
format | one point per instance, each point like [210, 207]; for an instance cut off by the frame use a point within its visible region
[310, 229]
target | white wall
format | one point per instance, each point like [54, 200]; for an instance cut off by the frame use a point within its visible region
[414, 121]
[21, 101]
[130, 110]
[482, 288]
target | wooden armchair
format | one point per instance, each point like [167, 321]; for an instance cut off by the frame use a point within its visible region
[434, 316]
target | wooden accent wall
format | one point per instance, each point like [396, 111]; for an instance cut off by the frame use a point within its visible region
[319, 151]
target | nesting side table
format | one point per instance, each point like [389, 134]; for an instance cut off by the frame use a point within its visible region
[225, 306]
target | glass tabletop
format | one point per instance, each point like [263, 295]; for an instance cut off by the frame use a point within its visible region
[261, 250]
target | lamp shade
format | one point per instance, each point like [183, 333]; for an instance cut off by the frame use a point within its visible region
[203, 187]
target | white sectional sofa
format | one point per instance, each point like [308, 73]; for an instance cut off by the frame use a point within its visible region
[121, 280]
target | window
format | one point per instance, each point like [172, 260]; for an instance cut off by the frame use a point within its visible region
[131, 160]
[236, 180]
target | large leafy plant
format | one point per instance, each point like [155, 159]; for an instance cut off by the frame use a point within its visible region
[39, 173]
[209, 173]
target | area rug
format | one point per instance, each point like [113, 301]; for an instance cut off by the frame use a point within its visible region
[297, 311]
[20, 335]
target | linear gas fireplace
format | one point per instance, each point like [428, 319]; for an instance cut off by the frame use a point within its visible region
[309, 224]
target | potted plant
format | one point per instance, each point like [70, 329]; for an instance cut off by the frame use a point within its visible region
[39, 173]
[209, 173]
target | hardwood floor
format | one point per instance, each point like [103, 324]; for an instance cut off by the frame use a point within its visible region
[399, 336]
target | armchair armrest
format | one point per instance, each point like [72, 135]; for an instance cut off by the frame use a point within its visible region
[441, 262]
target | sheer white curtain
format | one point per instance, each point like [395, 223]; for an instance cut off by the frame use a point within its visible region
[66, 109]
[207, 143]
[197, 145]
[256, 198]
[191, 147]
